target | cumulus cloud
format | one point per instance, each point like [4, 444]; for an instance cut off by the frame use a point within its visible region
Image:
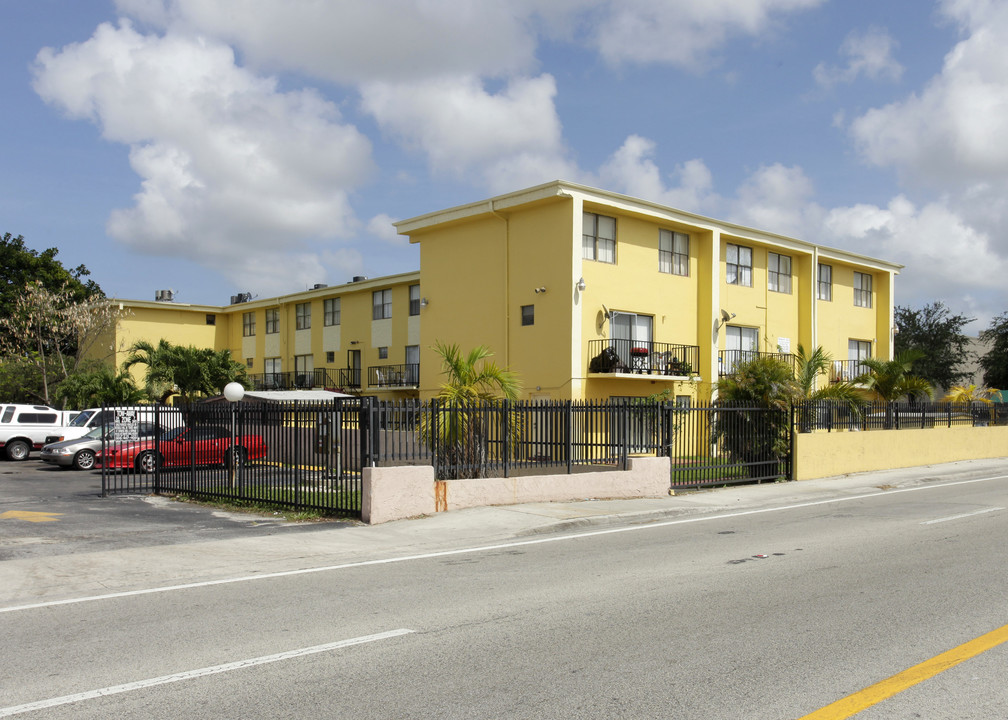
[505, 139]
[778, 199]
[381, 228]
[230, 165]
[683, 32]
[868, 53]
[633, 171]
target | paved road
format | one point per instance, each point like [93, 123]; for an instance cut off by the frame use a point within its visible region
[764, 602]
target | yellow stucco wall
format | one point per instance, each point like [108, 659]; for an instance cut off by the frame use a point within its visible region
[824, 454]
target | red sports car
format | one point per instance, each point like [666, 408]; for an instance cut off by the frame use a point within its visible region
[212, 446]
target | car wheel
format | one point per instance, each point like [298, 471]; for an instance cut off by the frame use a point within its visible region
[235, 457]
[84, 460]
[147, 461]
[17, 450]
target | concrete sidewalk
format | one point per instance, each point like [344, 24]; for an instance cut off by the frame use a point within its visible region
[36, 580]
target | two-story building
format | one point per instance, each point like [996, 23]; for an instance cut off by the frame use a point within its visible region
[586, 294]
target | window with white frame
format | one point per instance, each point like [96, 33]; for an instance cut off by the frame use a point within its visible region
[248, 324]
[673, 252]
[382, 304]
[779, 273]
[599, 238]
[414, 299]
[741, 345]
[331, 312]
[302, 316]
[412, 364]
[825, 282]
[857, 350]
[272, 368]
[862, 290]
[631, 337]
[738, 265]
[272, 321]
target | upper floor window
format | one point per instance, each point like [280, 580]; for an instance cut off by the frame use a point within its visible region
[272, 321]
[302, 315]
[382, 300]
[825, 282]
[599, 238]
[528, 314]
[331, 311]
[673, 252]
[414, 299]
[738, 265]
[862, 290]
[779, 273]
[248, 324]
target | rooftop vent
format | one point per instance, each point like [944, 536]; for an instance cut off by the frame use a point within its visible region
[319, 286]
[359, 278]
[164, 295]
[241, 298]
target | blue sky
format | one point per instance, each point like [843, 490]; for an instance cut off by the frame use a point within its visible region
[215, 147]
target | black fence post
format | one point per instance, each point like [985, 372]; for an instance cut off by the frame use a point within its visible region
[506, 432]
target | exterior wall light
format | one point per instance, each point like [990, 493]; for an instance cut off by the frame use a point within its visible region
[540, 290]
[424, 302]
[581, 285]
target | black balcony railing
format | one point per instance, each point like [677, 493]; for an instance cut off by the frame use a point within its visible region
[645, 358]
[304, 380]
[847, 370]
[394, 376]
[729, 359]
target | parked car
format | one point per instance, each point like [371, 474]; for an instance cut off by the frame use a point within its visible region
[210, 445]
[123, 416]
[27, 427]
[80, 453]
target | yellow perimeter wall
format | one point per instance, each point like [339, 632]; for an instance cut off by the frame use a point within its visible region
[820, 455]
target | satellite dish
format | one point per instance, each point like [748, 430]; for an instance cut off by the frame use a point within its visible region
[726, 316]
[605, 312]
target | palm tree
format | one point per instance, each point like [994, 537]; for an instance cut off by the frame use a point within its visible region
[184, 369]
[970, 394]
[809, 367]
[456, 428]
[99, 386]
[890, 380]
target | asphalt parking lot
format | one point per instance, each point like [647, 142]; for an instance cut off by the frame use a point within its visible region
[46, 510]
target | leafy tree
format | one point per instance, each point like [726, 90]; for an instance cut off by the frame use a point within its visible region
[52, 330]
[20, 265]
[184, 369]
[995, 361]
[938, 336]
[757, 399]
[456, 428]
[97, 386]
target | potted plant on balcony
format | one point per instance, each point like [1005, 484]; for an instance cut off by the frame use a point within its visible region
[638, 358]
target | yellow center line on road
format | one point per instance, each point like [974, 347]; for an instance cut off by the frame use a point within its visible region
[30, 516]
[853, 704]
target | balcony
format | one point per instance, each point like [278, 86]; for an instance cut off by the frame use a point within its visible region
[642, 358]
[846, 370]
[728, 359]
[319, 378]
[394, 376]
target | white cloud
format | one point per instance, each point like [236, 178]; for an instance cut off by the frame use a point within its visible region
[381, 228]
[230, 166]
[506, 140]
[954, 129]
[683, 32]
[778, 199]
[632, 170]
[868, 53]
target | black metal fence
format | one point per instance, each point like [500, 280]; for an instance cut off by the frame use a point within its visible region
[831, 416]
[300, 455]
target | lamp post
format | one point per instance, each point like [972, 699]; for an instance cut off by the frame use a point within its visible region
[233, 393]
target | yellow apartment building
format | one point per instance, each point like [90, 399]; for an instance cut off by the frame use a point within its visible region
[589, 294]
[586, 294]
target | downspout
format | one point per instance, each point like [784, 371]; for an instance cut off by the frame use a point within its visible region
[507, 284]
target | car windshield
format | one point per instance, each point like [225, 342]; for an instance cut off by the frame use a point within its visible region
[81, 419]
[93, 434]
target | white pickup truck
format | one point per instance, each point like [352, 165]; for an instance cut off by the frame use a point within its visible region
[24, 428]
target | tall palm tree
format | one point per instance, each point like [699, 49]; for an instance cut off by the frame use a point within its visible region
[456, 428]
[99, 386]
